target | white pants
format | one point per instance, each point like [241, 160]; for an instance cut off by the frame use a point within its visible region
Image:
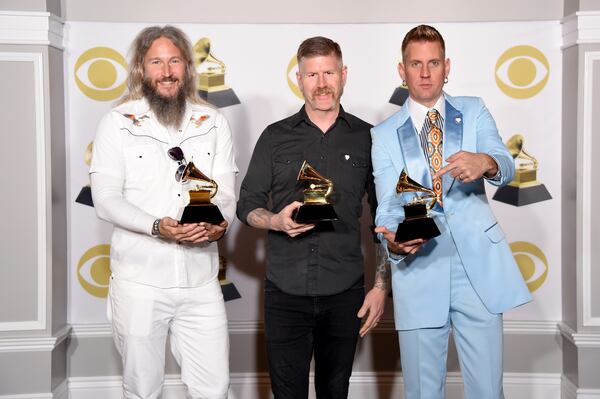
[143, 315]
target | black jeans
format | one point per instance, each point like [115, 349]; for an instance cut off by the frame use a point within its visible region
[296, 326]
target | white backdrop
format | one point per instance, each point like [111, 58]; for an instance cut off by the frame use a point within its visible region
[257, 58]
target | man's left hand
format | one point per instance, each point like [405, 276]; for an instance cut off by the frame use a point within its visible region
[207, 232]
[374, 304]
[214, 232]
[469, 166]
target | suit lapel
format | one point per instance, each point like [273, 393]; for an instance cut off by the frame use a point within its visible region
[453, 134]
[414, 159]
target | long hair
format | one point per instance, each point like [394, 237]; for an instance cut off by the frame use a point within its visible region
[139, 48]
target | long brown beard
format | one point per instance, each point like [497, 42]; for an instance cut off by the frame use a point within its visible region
[168, 110]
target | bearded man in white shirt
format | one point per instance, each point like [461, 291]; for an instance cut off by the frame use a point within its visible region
[164, 274]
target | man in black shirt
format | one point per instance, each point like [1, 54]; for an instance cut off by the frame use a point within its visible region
[314, 289]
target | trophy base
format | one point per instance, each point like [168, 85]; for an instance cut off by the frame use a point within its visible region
[209, 213]
[520, 196]
[85, 196]
[314, 213]
[221, 98]
[399, 96]
[419, 227]
[229, 291]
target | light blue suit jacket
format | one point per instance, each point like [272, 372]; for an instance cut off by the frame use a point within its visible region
[421, 282]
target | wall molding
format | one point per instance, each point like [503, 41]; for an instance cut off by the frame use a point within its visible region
[42, 200]
[532, 327]
[582, 27]
[585, 208]
[35, 28]
[580, 340]
[34, 344]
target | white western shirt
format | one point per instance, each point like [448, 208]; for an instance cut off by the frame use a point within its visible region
[133, 183]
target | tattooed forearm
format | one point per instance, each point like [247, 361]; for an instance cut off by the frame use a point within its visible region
[260, 218]
[382, 270]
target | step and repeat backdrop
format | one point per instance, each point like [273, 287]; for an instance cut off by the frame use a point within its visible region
[515, 67]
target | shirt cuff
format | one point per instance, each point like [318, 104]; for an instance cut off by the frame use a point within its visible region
[394, 258]
[498, 175]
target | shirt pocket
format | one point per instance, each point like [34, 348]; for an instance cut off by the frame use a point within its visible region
[141, 164]
[354, 169]
[495, 233]
[201, 151]
[286, 169]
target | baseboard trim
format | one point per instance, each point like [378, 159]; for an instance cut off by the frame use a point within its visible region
[362, 384]
[61, 391]
[570, 391]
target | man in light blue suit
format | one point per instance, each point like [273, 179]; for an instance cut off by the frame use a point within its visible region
[466, 277]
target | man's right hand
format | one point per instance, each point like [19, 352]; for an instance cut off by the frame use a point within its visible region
[283, 221]
[401, 248]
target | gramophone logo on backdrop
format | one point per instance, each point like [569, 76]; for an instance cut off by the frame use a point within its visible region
[101, 73]
[292, 68]
[93, 270]
[211, 76]
[524, 189]
[85, 195]
[532, 263]
[522, 72]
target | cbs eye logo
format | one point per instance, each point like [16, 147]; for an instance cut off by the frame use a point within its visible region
[101, 73]
[532, 263]
[93, 270]
[522, 72]
[291, 77]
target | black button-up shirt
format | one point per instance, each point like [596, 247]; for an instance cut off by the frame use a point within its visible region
[327, 259]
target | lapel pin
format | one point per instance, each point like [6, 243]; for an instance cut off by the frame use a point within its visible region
[346, 157]
[458, 119]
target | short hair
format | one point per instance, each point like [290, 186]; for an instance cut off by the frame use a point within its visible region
[318, 46]
[142, 42]
[423, 33]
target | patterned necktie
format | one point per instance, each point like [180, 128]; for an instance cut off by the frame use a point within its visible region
[434, 150]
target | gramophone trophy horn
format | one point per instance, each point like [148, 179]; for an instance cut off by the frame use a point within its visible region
[524, 189]
[417, 223]
[317, 189]
[407, 185]
[200, 209]
[211, 76]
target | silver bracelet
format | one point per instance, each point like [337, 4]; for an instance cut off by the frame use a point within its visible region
[155, 227]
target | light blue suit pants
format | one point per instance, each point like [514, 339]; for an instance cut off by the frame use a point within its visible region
[478, 337]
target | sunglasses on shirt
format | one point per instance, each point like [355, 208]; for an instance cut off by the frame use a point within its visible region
[176, 154]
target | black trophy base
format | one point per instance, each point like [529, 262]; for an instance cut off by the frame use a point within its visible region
[229, 291]
[209, 213]
[520, 196]
[419, 227]
[221, 98]
[314, 213]
[399, 96]
[85, 196]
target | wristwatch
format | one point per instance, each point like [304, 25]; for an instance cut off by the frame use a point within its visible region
[155, 227]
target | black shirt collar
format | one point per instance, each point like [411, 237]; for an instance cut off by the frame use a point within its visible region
[302, 116]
